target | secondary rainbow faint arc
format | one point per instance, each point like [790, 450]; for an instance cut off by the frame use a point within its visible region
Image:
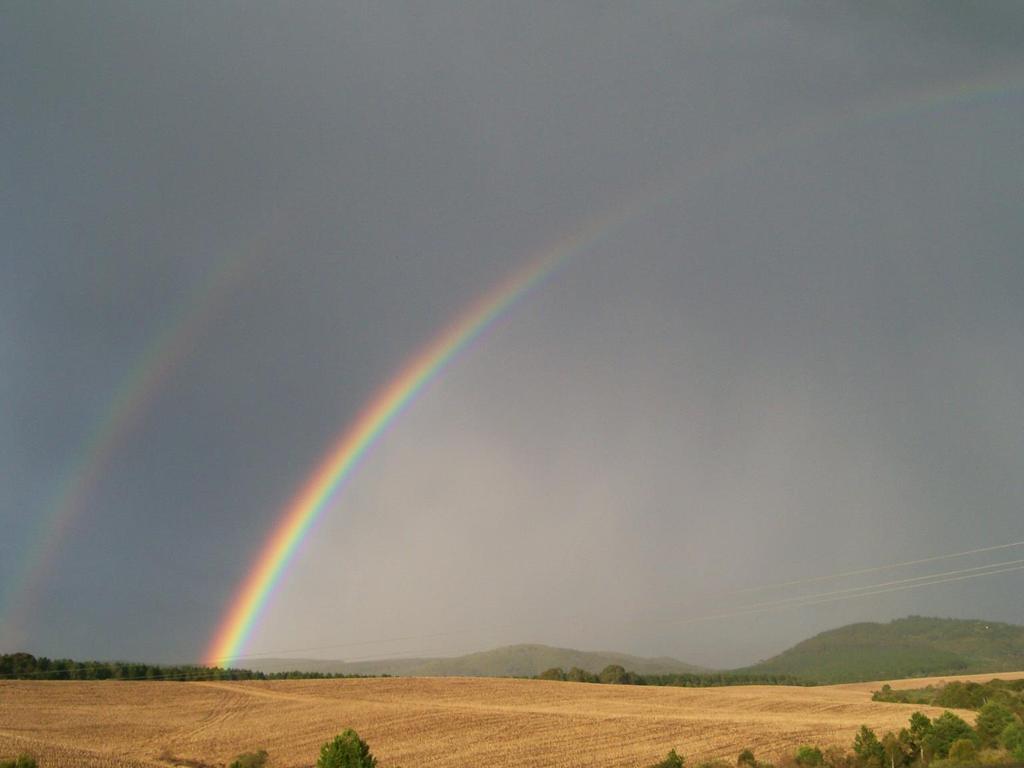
[321, 486]
[128, 403]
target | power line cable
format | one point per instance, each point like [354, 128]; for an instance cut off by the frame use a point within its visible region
[874, 569]
[777, 585]
[818, 599]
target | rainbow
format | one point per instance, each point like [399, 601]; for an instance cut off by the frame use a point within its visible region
[1003, 82]
[143, 381]
[323, 484]
[133, 396]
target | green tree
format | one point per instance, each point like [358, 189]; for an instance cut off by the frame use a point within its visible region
[920, 728]
[968, 695]
[250, 760]
[555, 673]
[992, 720]
[577, 675]
[672, 760]
[746, 759]
[809, 757]
[347, 750]
[1012, 739]
[836, 757]
[946, 729]
[963, 751]
[868, 748]
[615, 674]
[896, 750]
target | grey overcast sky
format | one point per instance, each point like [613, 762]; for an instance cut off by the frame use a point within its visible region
[801, 353]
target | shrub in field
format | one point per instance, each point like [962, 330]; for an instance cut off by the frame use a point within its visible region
[837, 757]
[615, 674]
[809, 757]
[992, 720]
[946, 729]
[672, 760]
[21, 761]
[555, 673]
[346, 750]
[962, 751]
[1012, 739]
[993, 757]
[577, 675]
[251, 760]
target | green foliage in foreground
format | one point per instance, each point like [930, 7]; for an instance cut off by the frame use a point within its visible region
[251, 760]
[672, 760]
[1012, 740]
[993, 719]
[25, 666]
[346, 750]
[946, 742]
[809, 757]
[946, 730]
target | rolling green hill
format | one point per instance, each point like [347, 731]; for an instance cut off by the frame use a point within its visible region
[508, 661]
[910, 647]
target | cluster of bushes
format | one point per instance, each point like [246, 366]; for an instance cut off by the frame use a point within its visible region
[945, 742]
[346, 750]
[614, 674]
[970, 695]
[948, 741]
[25, 666]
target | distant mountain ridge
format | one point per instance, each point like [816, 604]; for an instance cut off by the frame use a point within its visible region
[523, 660]
[912, 647]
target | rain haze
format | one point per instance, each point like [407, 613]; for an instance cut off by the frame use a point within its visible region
[791, 345]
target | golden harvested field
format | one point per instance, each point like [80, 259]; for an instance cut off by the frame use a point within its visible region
[416, 722]
[922, 682]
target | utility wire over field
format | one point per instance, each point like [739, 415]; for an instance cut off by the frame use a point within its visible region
[848, 593]
[874, 569]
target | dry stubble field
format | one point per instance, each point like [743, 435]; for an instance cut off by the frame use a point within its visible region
[437, 722]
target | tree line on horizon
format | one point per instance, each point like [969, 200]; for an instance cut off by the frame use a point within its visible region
[960, 695]
[615, 674]
[25, 666]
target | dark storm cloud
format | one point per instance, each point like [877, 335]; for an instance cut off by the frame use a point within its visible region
[801, 355]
